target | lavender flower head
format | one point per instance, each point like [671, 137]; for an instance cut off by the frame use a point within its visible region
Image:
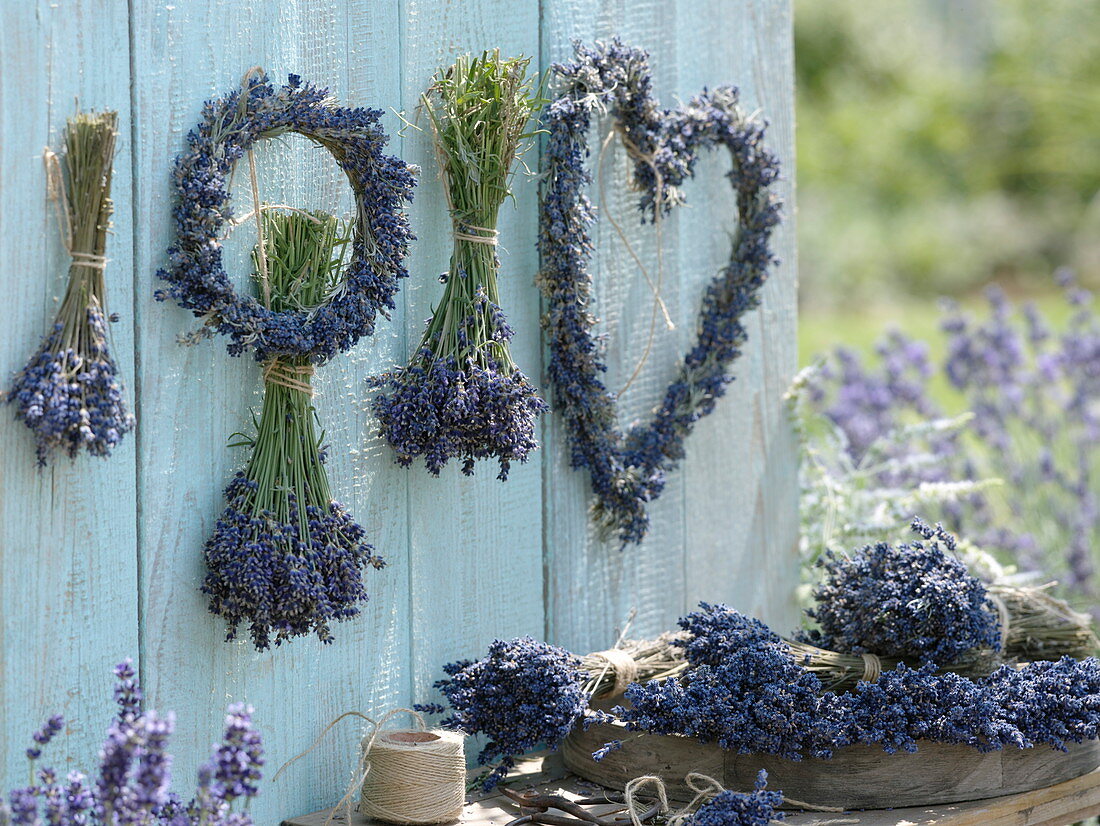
[730, 808]
[523, 694]
[716, 631]
[910, 601]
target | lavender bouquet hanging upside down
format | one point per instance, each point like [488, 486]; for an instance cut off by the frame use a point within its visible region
[285, 556]
[69, 393]
[462, 396]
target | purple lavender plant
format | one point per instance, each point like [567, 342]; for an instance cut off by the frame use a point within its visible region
[730, 808]
[69, 393]
[523, 694]
[1033, 388]
[628, 469]
[132, 787]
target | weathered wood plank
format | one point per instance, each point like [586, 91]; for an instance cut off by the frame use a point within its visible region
[196, 397]
[1055, 805]
[741, 487]
[649, 578]
[475, 559]
[68, 570]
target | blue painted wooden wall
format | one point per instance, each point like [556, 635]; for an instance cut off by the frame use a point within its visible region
[101, 560]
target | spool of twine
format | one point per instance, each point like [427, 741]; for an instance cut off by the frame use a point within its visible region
[414, 777]
[404, 776]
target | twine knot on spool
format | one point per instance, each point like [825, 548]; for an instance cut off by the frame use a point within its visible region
[413, 777]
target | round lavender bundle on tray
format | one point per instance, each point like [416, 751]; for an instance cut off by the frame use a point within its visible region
[462, 396]
[912, 602]
[70, 393]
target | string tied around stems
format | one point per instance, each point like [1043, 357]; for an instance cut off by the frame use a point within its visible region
[55, 191]
[290, 374]
[872, 668]
[462, 231]
[622, 665]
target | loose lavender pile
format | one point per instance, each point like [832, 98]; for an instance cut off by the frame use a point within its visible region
[286, 557]
[522, 694]
[729, 808]
[462, 396]
[1031, 383]
[133, 783]
[70, 393]
[909, 601]
[628, 469]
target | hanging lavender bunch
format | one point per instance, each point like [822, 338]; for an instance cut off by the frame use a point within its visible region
[285, 557]
[522, 694]
[461, 396]
[132, 787]
[70, 394]
[908, 601]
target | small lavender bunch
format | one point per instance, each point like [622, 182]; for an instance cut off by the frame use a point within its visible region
[909, 601]
[729, 808]
[522, 694]
[69, 393]
[285, 557]
[133, 782]
[462, 396]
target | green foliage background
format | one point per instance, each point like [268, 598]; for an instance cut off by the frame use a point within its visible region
[945, 143]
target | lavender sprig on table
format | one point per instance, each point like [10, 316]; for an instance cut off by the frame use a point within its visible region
[286, 557]
[730, 808]
[461, 396]
[70, 393]
[133, 780]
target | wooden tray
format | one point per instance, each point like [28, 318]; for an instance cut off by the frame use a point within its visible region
[857, 777]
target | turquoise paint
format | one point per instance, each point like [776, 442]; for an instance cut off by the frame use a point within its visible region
[103, 560]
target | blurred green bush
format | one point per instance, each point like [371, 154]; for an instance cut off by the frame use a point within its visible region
[942, 143]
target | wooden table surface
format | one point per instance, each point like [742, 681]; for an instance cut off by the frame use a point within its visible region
[1058, 805]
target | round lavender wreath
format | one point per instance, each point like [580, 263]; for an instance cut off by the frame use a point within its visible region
[628, 469]
[382, 185]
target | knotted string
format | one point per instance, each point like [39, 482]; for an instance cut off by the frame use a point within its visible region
[872, 668]
[622, 665]
[55, 191]
[631, 790]
[461, 231]
[295, 376]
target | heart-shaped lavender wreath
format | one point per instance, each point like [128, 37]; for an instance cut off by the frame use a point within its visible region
[628, 469]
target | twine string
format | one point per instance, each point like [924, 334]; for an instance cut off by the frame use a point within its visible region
[468, 232]
[55, 191]
[1003, 615]
[658, 198]
[418, 781]
[872, 668]
[705, 788]
[295, 376]
[622, 665]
